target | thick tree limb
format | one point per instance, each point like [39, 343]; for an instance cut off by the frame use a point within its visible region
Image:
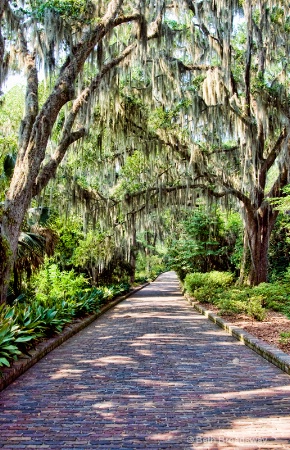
[50, 168]
[179, 187]
[270, 160]
[92, 195]
[3, 63]
[33, 153]
[189, 67]
[281, 181]
[248, 57]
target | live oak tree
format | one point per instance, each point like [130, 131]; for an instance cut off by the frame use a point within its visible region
[246, 106]
[222, 107]
[43, 32]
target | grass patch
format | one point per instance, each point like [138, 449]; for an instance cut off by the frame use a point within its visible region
[284, 337]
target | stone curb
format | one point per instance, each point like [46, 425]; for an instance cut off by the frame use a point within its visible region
[270, 353]
[20, 366]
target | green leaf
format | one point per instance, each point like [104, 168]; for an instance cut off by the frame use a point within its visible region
[4, 362]
[26, 338]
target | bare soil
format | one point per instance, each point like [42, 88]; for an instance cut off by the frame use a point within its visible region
[269, 330]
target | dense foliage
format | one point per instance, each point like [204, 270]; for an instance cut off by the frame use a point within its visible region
[60, 297]
[220, 289]
[206, 240]
[133, 113]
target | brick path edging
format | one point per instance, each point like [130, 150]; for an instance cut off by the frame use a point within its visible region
[270, 353]
[9, 374]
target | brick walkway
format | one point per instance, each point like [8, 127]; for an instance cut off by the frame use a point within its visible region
[149, 374]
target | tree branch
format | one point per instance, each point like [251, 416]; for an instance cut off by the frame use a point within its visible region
[281, 181]
[270, 160]
[3, 62]
[189, 67]
[31, 99]
[68, 137]
[248, 57]
[50, 168]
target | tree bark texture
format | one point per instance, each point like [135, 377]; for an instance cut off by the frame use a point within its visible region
[259, 225]
[133, 250]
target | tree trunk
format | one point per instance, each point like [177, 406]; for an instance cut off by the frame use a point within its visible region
[133, 250]
[10, 230]
[259, 226]
[16, 282]
[30, 176]
[245, 259]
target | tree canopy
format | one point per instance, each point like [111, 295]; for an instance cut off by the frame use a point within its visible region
[160, 103]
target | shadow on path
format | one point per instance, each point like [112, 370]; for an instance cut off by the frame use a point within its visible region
[150, 374]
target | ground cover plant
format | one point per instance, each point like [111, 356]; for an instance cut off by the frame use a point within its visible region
[44, 314]
[221, 290]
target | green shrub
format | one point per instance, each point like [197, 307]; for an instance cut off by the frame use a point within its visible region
[273, 293]
[88, 302]
[207, 294]
[254, 308]
[207, 284]
[8, 349]
[217, 288]
[276, 296]
[287, 276]
[57, 284]
[222, 279]
[231, 306]
[194, 281]
[23, 323]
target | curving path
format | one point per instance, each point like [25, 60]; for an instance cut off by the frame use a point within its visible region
[149, 374]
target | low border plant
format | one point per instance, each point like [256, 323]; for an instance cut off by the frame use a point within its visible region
[39, 317]
[218, 288]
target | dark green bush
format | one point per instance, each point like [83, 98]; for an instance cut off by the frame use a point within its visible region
[219, 279]
[255, 308]
[276, 296]
[208, 294]
[8, 349]
[218, 288]
[273, 293]
[193, 281]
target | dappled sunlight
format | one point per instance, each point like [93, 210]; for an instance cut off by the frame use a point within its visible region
[104, 405]
[139, 344]
[151, 336]
[214, 332]
[256, 433]
[115, 359]
[155, 375]
[67, 373]
[154, 315]
[167, 436]
[145, 352]
[103, 338]
[248, 394]
[161, 384]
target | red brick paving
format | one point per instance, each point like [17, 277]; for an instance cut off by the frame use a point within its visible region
[150, 374]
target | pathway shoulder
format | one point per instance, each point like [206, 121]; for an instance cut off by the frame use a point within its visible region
[270, 353]
[17, 368]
